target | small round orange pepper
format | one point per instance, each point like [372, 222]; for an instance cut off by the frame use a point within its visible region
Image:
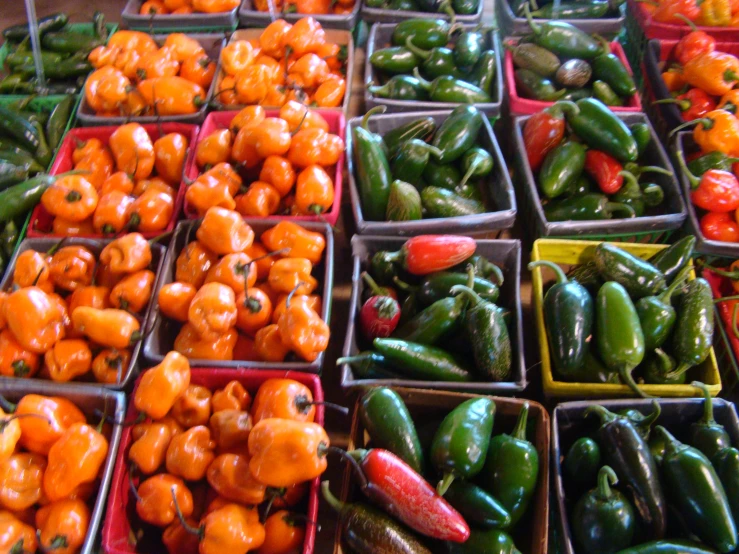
[132, 293]
[213, 310]
[152, 7]
[152, 211]
[112, 212]
[231, 397]
[63, 526]
[199, 69]
[16, 361]
[160, 386]
[311, 300]
[92, 296]
[153, 183]
[127, 254]
[214, 149]
[65, 228]
[170, 152]
[224, 232]
[110, 365]
[237, 56]
[250, 115]
[72, 267]
[112, 328]
[234, 270]
[258, 253]
[284, 534]
[119, 181]
[268, 344]
[189, 343]
[156, 499]
[252, 84]
[193, 264]
[226, 93]
[172, 95]
[32, 268]
[183, 46]
[149, 447]
[192, 407]
[330, 93]
[161, 63]
[283, 398]
[133, 40]
[21, 481]
[314, 192]
[190, 453]
[72, 197]
[273, 37]
[16, 534]
[259, 200]
[68, 359]
[229, 475]
[174, 300]
[132, 150]
[299, 116]
[300, 242]
[225, 173]
[36, 321]
[206, 192]
[306, 35]
[278, 172]
[292, 275]
[52, 416]
[254, 311]
[97, 167]
[84, 148]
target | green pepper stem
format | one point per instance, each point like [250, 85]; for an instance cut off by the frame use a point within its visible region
[692, 179]
[353, 461]
[402, 285]
[534, 26]
[664, 360]
[647, 421]
[474, 297]
[435, 152]
[559, 273]
[446, 7]
[653, 194]
[624, 373]
[654, 169]
[683, 104]
[682, 368]
[197, 531]
[445, 483]
[605, 415]
[726, 299]
[334, 502]
[566, 107]
[615, 207]
[426, 85]
[687, 21]
[420, 52]
[606, 478]
[671, 443]
[519, 431]
[377, 110]
[707, 418]
[733, 275]
[372, 284]
[381, 91]
[473, 167]
[707, 123]
[731, 75]
[497, 272]
[353, 359]
[666, 296]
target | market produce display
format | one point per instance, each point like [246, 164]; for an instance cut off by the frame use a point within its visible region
[64, 54]
[76, 312]
[238, 298]
[419, 65]
[420, 171]
[51, 455]
[184, 7]
[621, 319]
[447, 327]
[288, 62]
[214, 467]
[286, 164]
[632, 487]
[589, 164]
[563, 71]
[135, 76]
[484, 483]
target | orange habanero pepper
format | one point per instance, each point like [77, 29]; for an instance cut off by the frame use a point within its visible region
[153, 183]
[152, 211]
[127, 254]
[112, 213]
[133, 40]
[224, 232]
[16, 536]
[312, 70]
[230, 477]
[234, 270]
[313, 301]
[284, 534]
[65, 228]
[72, 267]
[179, 540]
[132, 293]
[119, 181]
[72, 197]
[315, 146]
[183, 46]
[32, 268]
[34, 318]
[21, 480]
[161, 63]
[226, 91]
[193, 264]
[250, 115]
[174, 300]
[331, 93]
[63, 526]
[133, 150]
[172, 95]
[156, 499]
[286, 452]
[268, 344]
[262, 260]
[110, 365]
[254, 310]
[230, 428]
[299, 116]
[231, 397]
[237, 56]
[161, 385]
[314, 192]
[68, 359]
[112, 328]
[213, 310]
[259, 200]
[149, 448]
[98, 168]
[306, 35]
[16, 361]
[301, 242]
[199, 69]
[92, 85]
[214, 149]
[170, 152]
[189, 343]
[51, 417]
[278, 172]
[231, 528]
[10, 434]
[273, 37]
[152, 7]
[215, 6]
[283, 398]
[303, 331]
[207, 192]
[292, 274]
[225, 173]
[192, 408]
[190, 453]
[252, 84]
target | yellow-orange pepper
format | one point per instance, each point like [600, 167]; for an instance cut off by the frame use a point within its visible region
[133, 150]
[192, 407]
[232, 528]
[21, 481]
[254, 310]
[189, 343]
[161, 385]
[237, 56]
[132, 293]
[63, 526]
[72, 197]
[127, 254]
[314, 192]
[32, 268]
[183, 46]
[215, 148]
[16, 534]
[234, 270]
[190, 453]
[300, 242]
[34, 318]
[48, 419]
[313, 301]
[283, 398]
[193, 264]
[152, 211]
[231, 397]
[303, 331]
[224, 232]
[259, 200]
[268, 344]
[205, 193]
[16, 361]
[229, 475]
[110, 365]
[230, 427]
[112, 212]
[292, 274]
[213, 310]
[156, 499]
[149, 448]
[284, 533]
[68, 359]
[174, 300]
[170, 152]
[72, 267]
[112, 328]
[172, 95]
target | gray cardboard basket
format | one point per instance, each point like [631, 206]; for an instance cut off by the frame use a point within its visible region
[88, 400]
[249, 17]
[342, 38]
[504, 253]
[652, 228]
[692, 224]
[95, 246]
[569, 424]
[226, 21]
[163, 330]
[498, 187]
[385, 15]
[381, 35]
[212, 43]
[511, 25]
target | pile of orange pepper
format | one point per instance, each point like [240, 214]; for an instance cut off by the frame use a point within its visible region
[286, 160]
[707, 13]
[135, 77]
[184, 7]
[128, 184]
[50, 459]
[251, 452]
[287, 62]
[239, 299]
[72, 315]
[312, 7]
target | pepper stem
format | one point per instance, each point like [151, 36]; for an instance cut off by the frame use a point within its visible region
[334, 502]
[377, 110]
[605, 415]
[687, 21]
[474, 297]
[534, 26]
[615, 207]
[402, 285]
[707, 418]
[671, 443]
[683, 104]
[707, 123]
[667, 295]
[606, 478]
[363, 482]
[426, 85]
[733, 275]
[445, 483]
[420, 52]
[564, 107]
[692, 179]
[381, 91]
[664, 361]
[303, 404]
[372, 284]
[473, 166]
[682, 368]
[624, 373]
[559, 273]
[197, 531]
[519, 431]
[647, 421]
[6, 421]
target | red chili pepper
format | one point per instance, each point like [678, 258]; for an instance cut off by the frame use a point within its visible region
[545, 130]
[605, 169]
[379, 317]
[429, 253]
[693, 104]
[693, 45]
[715, 191]
[391, 483]
[720, 226]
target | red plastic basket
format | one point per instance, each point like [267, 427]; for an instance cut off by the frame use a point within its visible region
[222, 120]
[670, 31]
[41, 220]
[526, 106]
[117, 529]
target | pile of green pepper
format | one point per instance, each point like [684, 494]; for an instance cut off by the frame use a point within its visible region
[488, 478]
[450, 328]
[619, 314]
[450, 7]
[673, 496]
[433, 60]
[550, 69]
[64, 55]
[417, 171]
[572, 9]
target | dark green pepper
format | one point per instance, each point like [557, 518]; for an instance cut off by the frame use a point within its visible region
[483, 74]
[642, 135]
[583, 185]
[15, 83]
[657, 316]
[25, 57]
[423, 129]
[696, 491]
[390, 426]
[512, 468]
[657, 445]
[373, 171]
[726, 463]
[16, 127]
[477, 506]
[437, 286]
[468, 48]
[562, 166]
[491, 541]
[465, 7]
[461, 441]
[585, 207]
[534, 58]
[674, 258]
[448, 89]
[576, 94]
[404, 5]
[52, 22]
[470, 191]
[618, 333]
[595, 9]
[12, 174]
[43, 152]
[445, 176]
[425, 33]
[422, 362]
[440, 203]
[568, 315]
[642, 423]
[712, 160]
[626, 451]
[476, 162]
[369, 365]
[9, 237]
[458, 133]
[668, 547]
[658, 367]
[431, 324]
[706, 434]
[582, 461]
[400, 87]
[609, 68]
[382, 267]
[57, 123]
[603, 92]
[692, 338]
[19, 199]
[21, 159]
[603, 519]
[563, 39]
[394, 59]
[411, 159]
[587, 275]
[594, 371]
[99, 26]
[602, 129]
[436, 62]
[534, 86]
[482, 267]
[638, 276]
[69, 42]
[404, 202]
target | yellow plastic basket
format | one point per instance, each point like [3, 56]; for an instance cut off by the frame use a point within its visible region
[577, 252]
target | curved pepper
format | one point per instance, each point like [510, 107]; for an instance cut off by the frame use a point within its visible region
[34, 318]
[161, 385]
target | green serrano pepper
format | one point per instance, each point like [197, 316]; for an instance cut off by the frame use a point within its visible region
[419, 361]
[692, 337]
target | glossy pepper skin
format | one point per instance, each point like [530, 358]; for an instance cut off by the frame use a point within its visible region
[192, 407]
[190, 453]
[287, 452]
[706, 434]
[303, 331]
[429, 253]
[697, 492]
[628, 454]
[224, 232]
[391, 483]
[231, 528]
[373, 170]
[15, 532]
[127, 254]
[284, 533]
[21, 478]
[231, 397]
[283, 398]
[582, 461]
[150, 446]
[63, 525]
[34, 318]
[657, 316]
[39, 434]
[161, 385]
[477, 506]
[603, 519]
[229, 475]
[156, 499]
[460, 444]
[600, 128]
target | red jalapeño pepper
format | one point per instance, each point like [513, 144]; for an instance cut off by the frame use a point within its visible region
[605, 169]
[544, 130]
[426, 254]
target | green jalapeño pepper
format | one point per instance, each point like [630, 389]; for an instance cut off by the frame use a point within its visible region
[639, 277]
[642, 423]
[458, 133]
[512, 468]
[373, 172]
[437, 286]
[706, 434]
[445, 176]
[534, 86]
[692, 338]
[52, 22]
[382, 268]
[603, 519]
[698, 494]
[585, 207]
[582, 461]
[602, 129]
[568, 314]
[400, 87]
[657, 368]
[674, 258]
[422, 362]
[726, 464]
[477, 506]
[626, 451]
[461, 441]
[562, 166]
[404, 202]
[423, 128]
[563, 39]
[619, 336]
[468, 48]
[411, 159]
[394, 60]
[425, 33]
[437, 62]
[488, 333]
[69, 42]
[483, 74]
[657, 316]
[603, 92]
[491, 541]
[609, 68]
[430, 325]
[483, 267]
[390, 426]
[369, 365]
[476, 163]
[465, 7]
[448, 89]
[439, 203]
[58, 121]
[572, 10]
[712, 160]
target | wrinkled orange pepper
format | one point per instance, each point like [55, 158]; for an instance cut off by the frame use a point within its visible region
[63, 526]
[93, 83]
[301, 242]
[152, 211]
[64, 228]
[232, 528]
[213, 310]
[127, 254]
[14, 534]
[230, 477]
[133, 40]
[161, 63]
[132, 293]
[205, 193]
[36, 321]
[252, 84]
[268, 344]
[112, 91]
[283, 398]
[231, 397]
[192, 407]
[31, 268]
[189, 343]
[133, 150]
[50, 418]
[306, 35]
[174, 300]
[21, 481]
[193, 264]
[155, 503]
[112, 213]
[225, 173]
[183, 46]
[315, 146]
[112, 328]
[292, 274]
[312, 70]
[284, 533]
[153, 183]
[161, 385]
[259, 200]
[234, 270]
[150, 446]
[178, 540]
[330, 93]
[214, 149]
[190, 453]
[278, 172]
[303, 331]
[273, 37]
[110, 365]
[224, 232]
[199, 69]
[10, 435]
[85, 148]
[72, 197]
[68, 359]
[16, 361]
[237, 56]
[172, 95]
[119, 181]
[254, 311]
[170, 152]
[313, 301]
[250, 115]
[97, 168]
[314, 192]
[299, 116]
[230, 427]
[72, 267]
